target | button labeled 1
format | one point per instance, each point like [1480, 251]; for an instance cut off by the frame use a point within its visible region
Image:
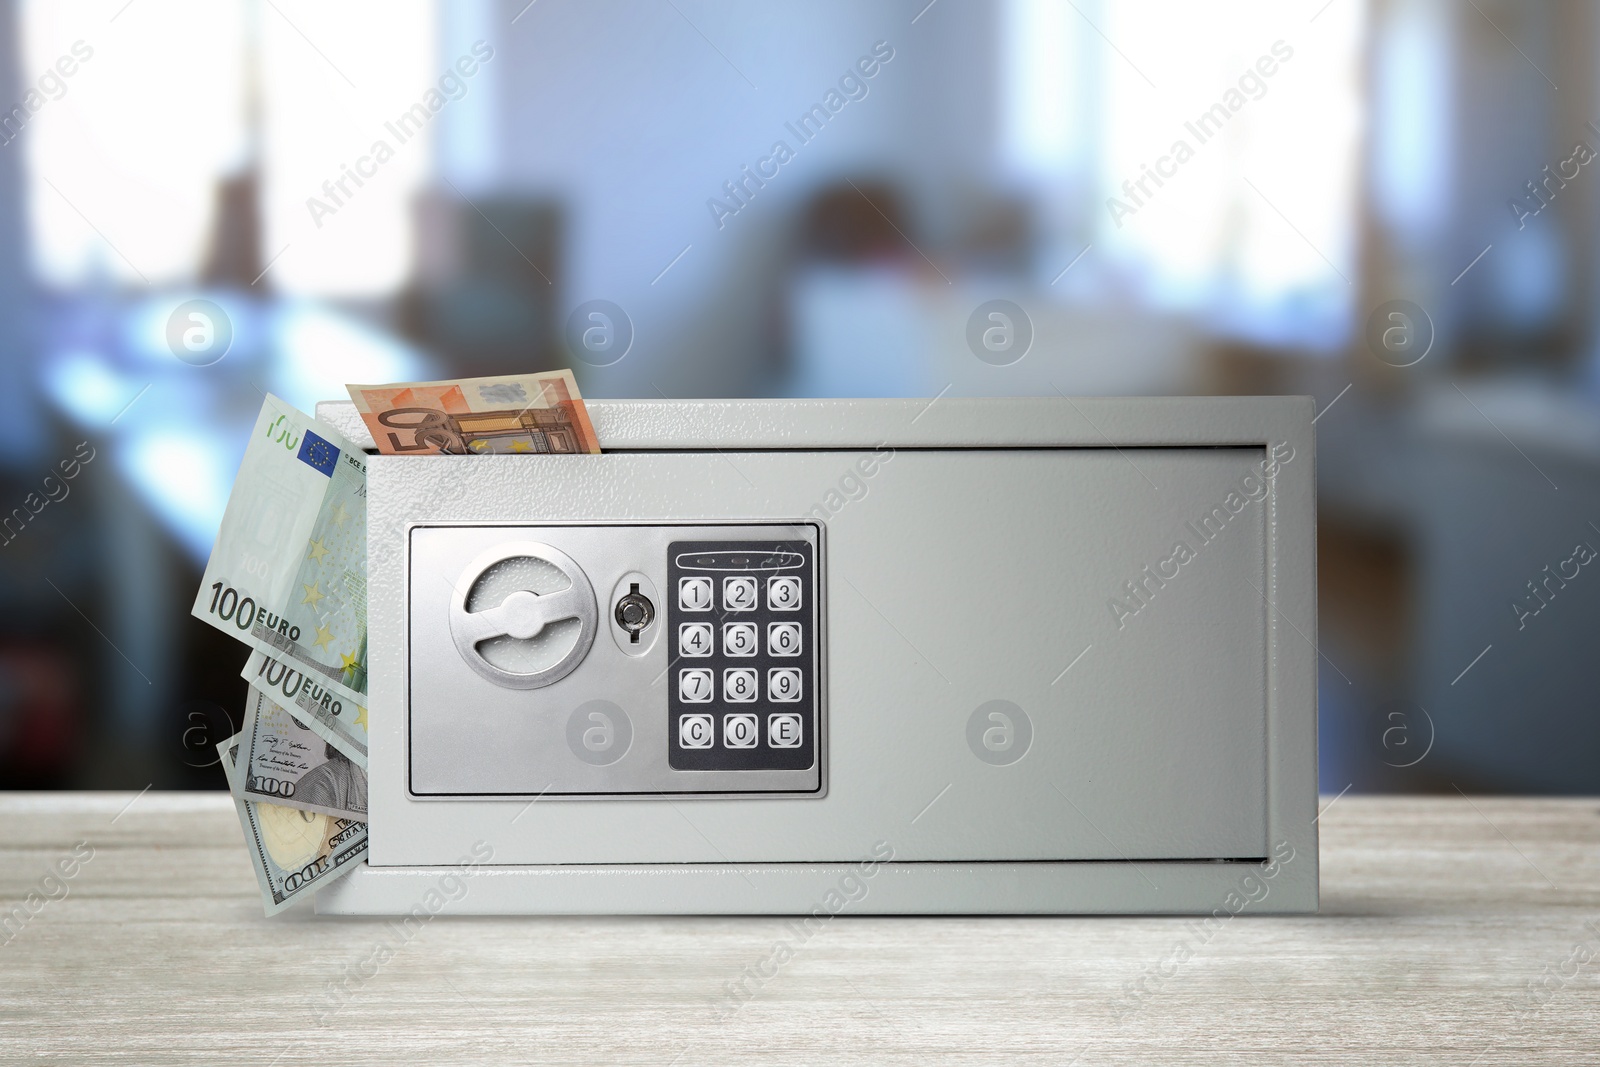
[694, 594]
[783, 593]
[696, 731]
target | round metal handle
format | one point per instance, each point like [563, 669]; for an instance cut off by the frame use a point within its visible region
[523, 615]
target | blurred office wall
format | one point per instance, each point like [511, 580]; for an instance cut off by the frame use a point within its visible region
[1389, 205]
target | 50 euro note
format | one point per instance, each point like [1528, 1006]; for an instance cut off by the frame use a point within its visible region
[328, 714]
[281, 761]
[294, 852]
[288, 572]
[521, 413]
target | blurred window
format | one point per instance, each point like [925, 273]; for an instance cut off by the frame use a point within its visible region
[1215, 147]
[125, 155]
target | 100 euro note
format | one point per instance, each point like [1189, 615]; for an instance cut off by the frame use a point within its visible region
[340, 722]
[507, 414]
[288, 573]
[281, 761]
[294, 852]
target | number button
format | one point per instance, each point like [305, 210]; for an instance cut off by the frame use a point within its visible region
[784, 730]
[739, 594]
[783, 638]
[739, 685]
[740, 731]
[696, 731]
[694, 639]
[739, 638]
[694, 594]
[783, 594]
[694, 686]
[783, 685]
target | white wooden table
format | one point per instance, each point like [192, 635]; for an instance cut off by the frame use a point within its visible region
[1447, 935]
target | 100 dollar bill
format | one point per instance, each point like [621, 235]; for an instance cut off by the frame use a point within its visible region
[294, 852]
[283, 762]
[341, 722]
[288, 572]
[529, 413]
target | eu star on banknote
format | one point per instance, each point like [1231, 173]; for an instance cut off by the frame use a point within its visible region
[342, 723]
[288, 572]
[521, 413]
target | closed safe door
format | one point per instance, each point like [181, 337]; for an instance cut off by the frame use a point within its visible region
[1000, 654]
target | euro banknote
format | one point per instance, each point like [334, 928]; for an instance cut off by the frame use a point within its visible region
[284, 762]
[341, 722]
[288, 573]
[294, 852]
[518, 413]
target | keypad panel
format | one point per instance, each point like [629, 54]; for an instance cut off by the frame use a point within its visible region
[744, 695]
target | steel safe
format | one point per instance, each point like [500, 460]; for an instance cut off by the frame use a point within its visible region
[865, 656]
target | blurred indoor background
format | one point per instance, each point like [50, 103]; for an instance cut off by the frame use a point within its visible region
[1388, 205]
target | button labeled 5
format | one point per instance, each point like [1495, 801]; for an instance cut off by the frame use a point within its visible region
[694, 594]
[694, 639]
[738, 594]
[696, 731]
[694, 686]
[783, 638]
[739, 685]
[739, 638]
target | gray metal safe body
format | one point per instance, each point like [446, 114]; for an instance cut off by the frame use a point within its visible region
[977, 656]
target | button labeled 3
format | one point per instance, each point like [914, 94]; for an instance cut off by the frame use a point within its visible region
[783, 594]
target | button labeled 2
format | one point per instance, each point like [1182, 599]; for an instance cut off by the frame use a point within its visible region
[738, 594]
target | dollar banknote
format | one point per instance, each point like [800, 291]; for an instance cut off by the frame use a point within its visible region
[288, 572]
[527, 413]
[341, 722]
[294, 852]
[283, 762]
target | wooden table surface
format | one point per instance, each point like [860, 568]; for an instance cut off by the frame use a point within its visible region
[1452, 931]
